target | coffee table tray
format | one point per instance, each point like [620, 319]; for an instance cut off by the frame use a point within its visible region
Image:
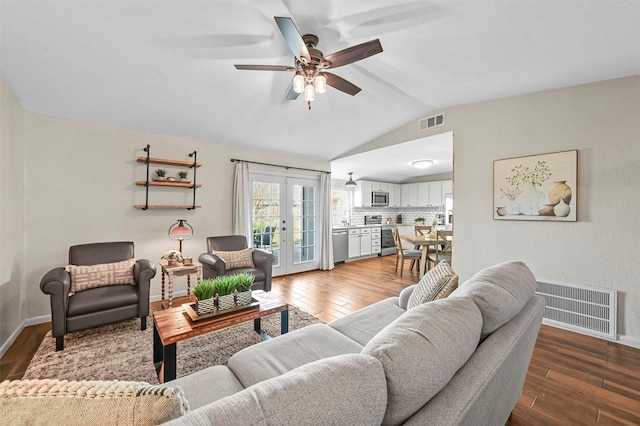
[190, 309]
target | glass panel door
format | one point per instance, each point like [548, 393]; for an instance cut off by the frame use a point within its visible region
[285, 221]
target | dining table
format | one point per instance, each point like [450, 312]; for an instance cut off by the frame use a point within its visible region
[423, 242]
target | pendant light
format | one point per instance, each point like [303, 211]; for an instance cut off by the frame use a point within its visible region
[350, 182]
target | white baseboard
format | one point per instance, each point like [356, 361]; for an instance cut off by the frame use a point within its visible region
[634, 342]
[26, 323]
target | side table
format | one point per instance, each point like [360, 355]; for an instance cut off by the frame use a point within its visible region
[179, 270]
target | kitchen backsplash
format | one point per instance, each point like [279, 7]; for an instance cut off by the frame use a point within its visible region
[409, 214]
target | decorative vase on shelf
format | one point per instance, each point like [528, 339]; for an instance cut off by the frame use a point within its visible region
[561, 209]
[172, 262]
[560, 191]
[532, 200]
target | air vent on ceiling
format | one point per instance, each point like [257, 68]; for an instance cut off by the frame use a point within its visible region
[433, 121]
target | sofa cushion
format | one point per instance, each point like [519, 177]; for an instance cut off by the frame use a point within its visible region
[277, 356]
[236, 259]
[341, 390]
[44, 402]
[422, 350]
[102, 299]
[206, 386]
[437, 283]
[84, 277]
[500, 292]
[365, 323]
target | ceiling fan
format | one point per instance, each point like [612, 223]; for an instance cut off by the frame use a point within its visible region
[310, 64]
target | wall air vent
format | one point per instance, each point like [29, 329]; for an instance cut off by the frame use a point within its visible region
[431, 122]
[579, 308]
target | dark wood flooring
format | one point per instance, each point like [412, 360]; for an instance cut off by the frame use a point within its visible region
[572, 379]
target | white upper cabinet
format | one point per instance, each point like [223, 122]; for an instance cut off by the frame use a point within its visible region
[421, 194]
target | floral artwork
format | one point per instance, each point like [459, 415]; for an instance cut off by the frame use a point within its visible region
[536, 187]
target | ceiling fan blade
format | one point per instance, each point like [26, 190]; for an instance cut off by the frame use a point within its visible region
[341, 84]
[355, 53]
[293, 38]
[264, 67]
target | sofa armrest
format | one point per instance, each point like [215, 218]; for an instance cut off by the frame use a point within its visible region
[57, 283]
[346, 389]
[212, 265]
[143, 271]
[404, 296]
[264, 260]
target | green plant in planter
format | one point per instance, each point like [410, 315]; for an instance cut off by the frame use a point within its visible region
[419, 220]
[222, 286]
[161, 172]
[182, 175]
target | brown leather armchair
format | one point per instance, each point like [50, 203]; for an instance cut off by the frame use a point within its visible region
[213, 266]
[102, 305]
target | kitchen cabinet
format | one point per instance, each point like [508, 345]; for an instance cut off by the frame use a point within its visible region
[447, 188]
[410, 195]
[364, 241]
[435, 194]
[376, 240]
[380, 186]
[362, 194]
[395, 195]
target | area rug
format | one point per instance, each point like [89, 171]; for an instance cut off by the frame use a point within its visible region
[122, 352]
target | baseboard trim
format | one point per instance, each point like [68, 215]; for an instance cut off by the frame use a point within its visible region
[26, 323]
[633, 342]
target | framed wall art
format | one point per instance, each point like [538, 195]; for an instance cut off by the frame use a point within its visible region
[536, 187]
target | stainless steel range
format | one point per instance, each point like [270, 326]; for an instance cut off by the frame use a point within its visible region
[387, 246]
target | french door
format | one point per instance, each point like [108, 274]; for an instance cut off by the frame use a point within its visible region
[285, 221]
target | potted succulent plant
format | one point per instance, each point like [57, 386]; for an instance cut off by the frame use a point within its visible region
[160, 174]
[419, 220]
[223, 292]
[182, 176]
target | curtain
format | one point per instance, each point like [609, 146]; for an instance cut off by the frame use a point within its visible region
[241, 210]
[326, 227]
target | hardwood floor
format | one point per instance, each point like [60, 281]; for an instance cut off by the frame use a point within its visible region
[572, 379]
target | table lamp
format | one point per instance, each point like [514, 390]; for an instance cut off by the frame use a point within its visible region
[181, 230]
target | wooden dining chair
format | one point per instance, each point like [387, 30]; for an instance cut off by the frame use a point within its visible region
[422, 230]
[402, 254]
[443, 250]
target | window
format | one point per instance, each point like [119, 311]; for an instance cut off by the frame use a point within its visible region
[341, 203]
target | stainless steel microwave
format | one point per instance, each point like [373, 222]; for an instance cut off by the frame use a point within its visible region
[379, 199]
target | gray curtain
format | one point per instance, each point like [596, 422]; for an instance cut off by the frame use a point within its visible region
[241, 209]
[326, 226]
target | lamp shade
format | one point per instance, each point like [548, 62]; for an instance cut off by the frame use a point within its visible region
[181, 230]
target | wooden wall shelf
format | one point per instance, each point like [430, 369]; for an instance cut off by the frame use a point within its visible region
[174, 184]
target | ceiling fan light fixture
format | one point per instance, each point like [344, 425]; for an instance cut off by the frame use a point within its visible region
[298, 83]
[422, 164]
[309, 93]
[350, 182]
[320, 83]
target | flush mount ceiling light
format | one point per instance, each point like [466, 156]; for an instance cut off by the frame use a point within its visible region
[422, 164]
[350, 182]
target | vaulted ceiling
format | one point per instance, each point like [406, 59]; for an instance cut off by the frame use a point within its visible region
[167, 67]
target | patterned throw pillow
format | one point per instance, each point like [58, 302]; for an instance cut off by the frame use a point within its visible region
[236, 259]
[86, 402]
[84, 277]
[438, 283]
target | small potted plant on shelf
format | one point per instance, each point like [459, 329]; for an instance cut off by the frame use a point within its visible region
[173, 257]
[182, 177]
[223, 292]
[419, 220]
[160, 174]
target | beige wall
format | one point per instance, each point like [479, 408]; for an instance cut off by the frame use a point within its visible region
[12, 227]
[601, 121]
[79, 188]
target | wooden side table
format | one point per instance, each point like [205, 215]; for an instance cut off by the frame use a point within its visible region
[179, 270]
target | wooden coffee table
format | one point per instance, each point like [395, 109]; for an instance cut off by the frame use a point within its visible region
[173, 325]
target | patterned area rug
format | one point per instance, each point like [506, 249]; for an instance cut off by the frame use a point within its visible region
[121, 351]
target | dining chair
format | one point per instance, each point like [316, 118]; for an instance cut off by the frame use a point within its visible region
[444, 248]
[402, 254]
[421, 230]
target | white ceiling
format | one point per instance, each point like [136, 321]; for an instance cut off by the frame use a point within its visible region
[167, 66]
[393, 163]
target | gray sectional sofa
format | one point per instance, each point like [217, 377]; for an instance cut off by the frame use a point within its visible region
[459, 360]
